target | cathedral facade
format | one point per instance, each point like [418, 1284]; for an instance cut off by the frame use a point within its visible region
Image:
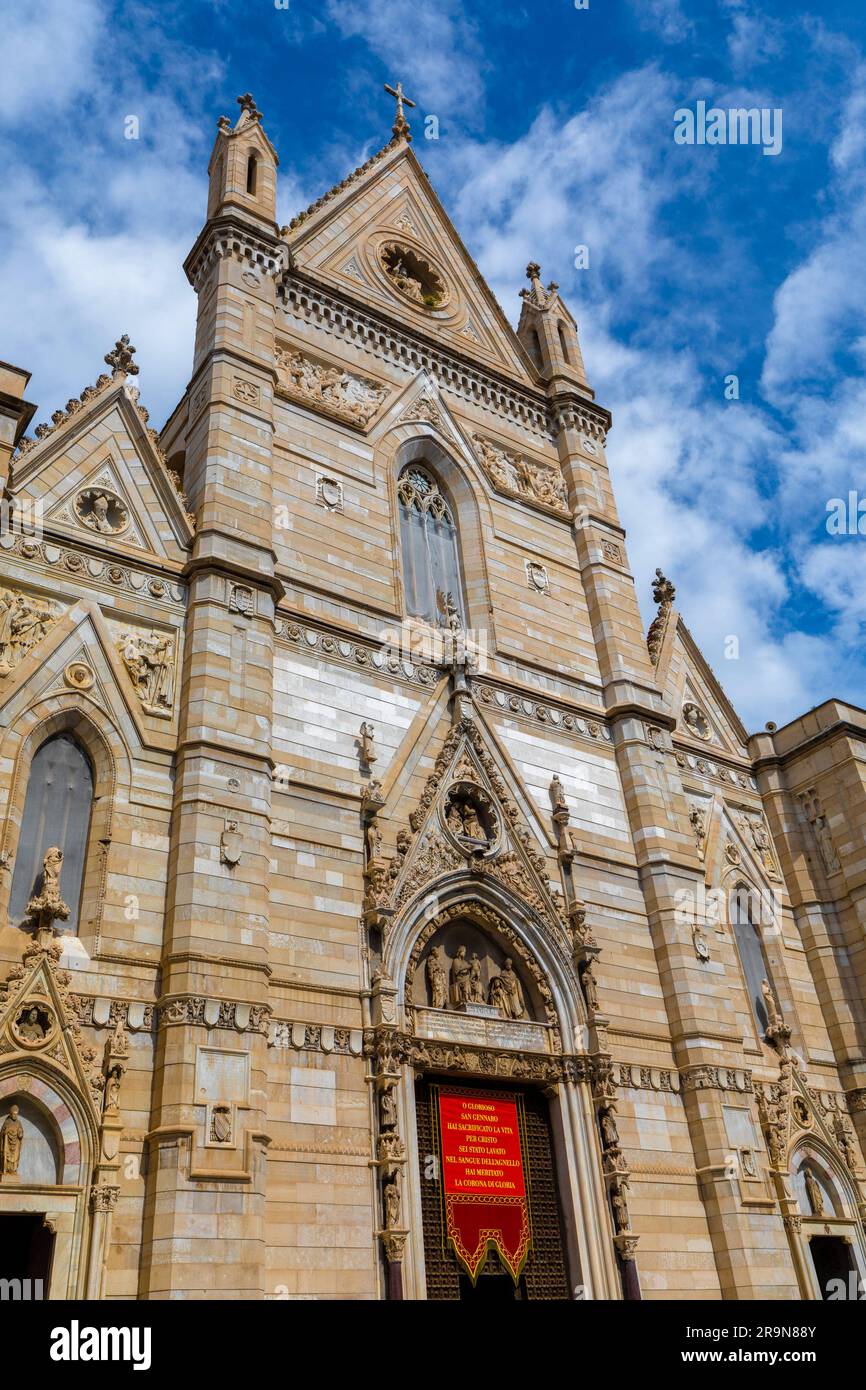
[385, 913]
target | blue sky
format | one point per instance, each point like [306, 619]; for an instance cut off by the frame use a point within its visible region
[556, 130]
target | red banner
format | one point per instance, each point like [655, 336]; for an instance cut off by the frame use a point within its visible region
[483, 1181]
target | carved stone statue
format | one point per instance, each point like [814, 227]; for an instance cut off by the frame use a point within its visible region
[609, 1132]
[476, 984]
[509, 994]
[31, 1029]
[47, 907]
[367, 745]
[387, 1108]
[149, 659]
[461, 978]
[621, 1216]
[11, 1143]
[391, 1196]
[437, 982]
[774, 1014]
[557, 794]
[23, 623]
[814, 1193]
[590, 987]
[699, 825]
[112, 1088]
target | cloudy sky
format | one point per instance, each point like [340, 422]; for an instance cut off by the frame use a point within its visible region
[556, 130]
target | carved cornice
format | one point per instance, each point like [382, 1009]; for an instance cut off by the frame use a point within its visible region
[391, 341]
[225, 238]
[353, 651]
[712, 1078]
[194, 1010]
[394, 1049]
[555, 716]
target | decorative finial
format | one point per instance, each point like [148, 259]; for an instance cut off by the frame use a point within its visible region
[538, 295]
[247, 104]
[663, 590]
[120, 358]
[664, 594]
[400, 128]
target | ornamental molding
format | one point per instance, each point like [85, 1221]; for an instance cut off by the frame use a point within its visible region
[229, 239]
[556, 716]
[285, 1035]
[139, 583]
[194, 1010]
[393, 1049]
[378, 657]
[392, 343]
[712, 1078]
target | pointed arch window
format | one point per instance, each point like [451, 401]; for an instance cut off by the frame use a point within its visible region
[429, 544]
[751, 950]
[56, 812]
[563, 342]
[252, 174]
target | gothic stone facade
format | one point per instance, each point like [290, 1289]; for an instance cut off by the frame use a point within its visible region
[351, 656]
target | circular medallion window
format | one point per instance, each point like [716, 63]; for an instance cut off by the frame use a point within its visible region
[101, 510]
[412, 276]
[34, 1025]
[696, 721]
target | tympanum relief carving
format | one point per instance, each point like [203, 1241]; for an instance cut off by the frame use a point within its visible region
[24, 621]
[341, 393]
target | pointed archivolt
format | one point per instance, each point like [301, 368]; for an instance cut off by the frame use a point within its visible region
[467, 820]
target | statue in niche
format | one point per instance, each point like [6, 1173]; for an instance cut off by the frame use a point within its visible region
[387, 1108]
[391, 1195]
[609, 1132]
[112, 1089]
[620, 1207]
[590, 987]
[814, 1193]
[506, 992]
[30, 1026]
[461, 978]
[437, 982]
[23, 623]
[466, 817]
[11, 1143]
[476, 984]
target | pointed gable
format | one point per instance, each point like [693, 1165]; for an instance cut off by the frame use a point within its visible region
[384, 237]
[101, 478]
[705, 715]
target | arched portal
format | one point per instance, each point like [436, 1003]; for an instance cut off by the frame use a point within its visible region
[483, 1096]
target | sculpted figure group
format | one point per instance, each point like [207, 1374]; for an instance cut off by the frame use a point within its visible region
[504, 992]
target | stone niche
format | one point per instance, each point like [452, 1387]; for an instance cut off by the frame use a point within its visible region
[486, 1002]
[39, 1163]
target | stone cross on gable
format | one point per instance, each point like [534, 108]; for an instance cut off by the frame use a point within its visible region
[401, 125]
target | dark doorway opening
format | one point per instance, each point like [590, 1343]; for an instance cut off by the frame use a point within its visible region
[26, 1249]
[833, 1260]
[545, 1274]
